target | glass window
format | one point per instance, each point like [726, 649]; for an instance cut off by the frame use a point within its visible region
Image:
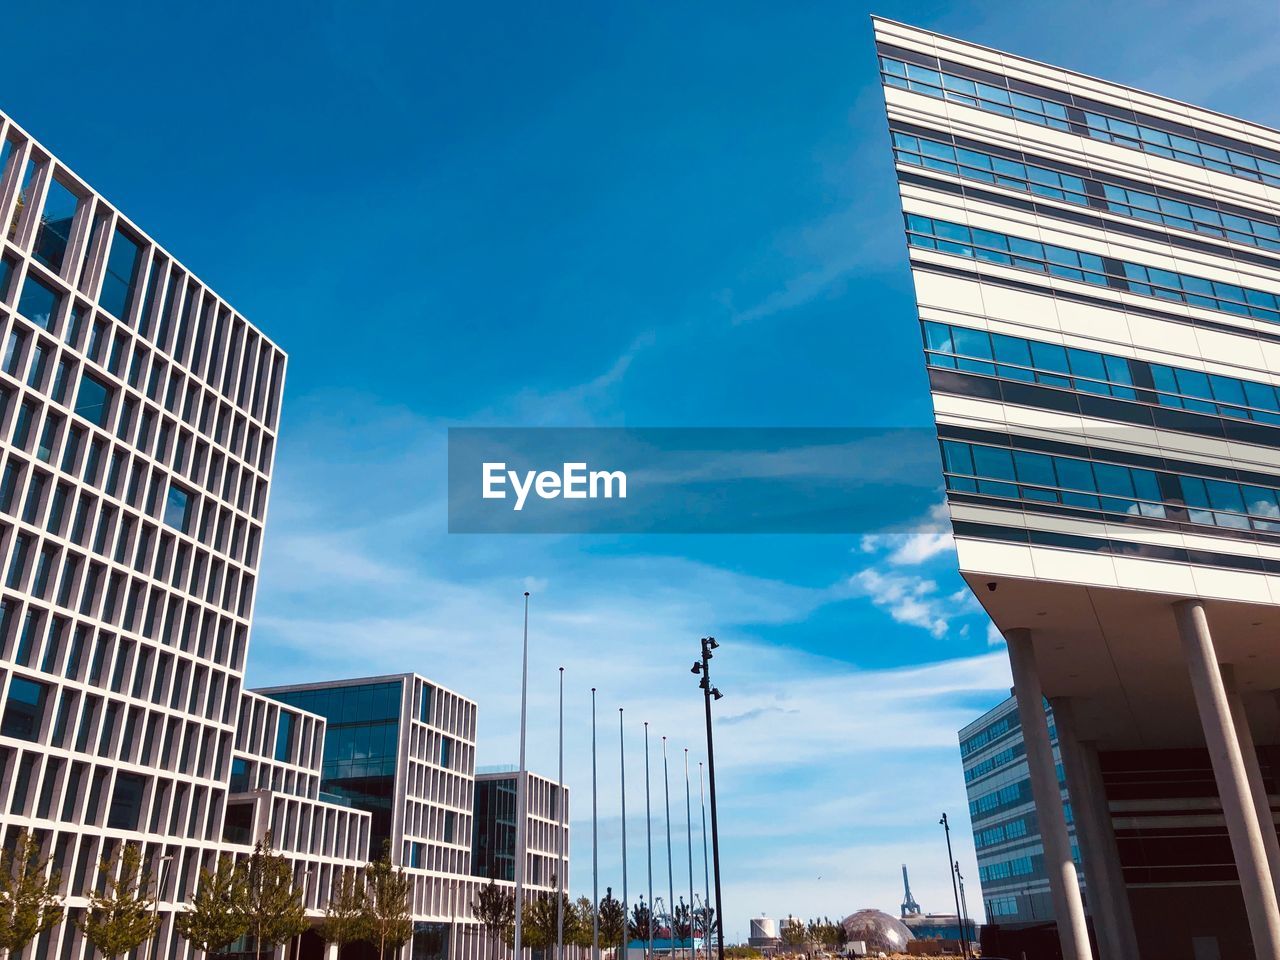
[446, 750]
[23, 709]
[54, 232]
[39, 301]
[177, 508]
[284, 736]
[126, 801]
[93, 399]
[121, 275]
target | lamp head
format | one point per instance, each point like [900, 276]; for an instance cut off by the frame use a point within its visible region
[696, 668]
[715, 693]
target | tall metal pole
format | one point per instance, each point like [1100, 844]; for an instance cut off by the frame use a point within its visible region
[648, 836]
[688, 823]
[595, 842]
[708, 691]
[560, 805]
[964, 906]
[521, 790]
[671, 880]
[706, 870]
[946, 828]
[622, 766]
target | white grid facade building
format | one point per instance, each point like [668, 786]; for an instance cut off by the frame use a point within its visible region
[138, 416]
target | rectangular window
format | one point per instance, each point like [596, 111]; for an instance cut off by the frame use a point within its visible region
[126, 802]
[93, 399]
[284, 736]
[121, 275]
[449, 826]
[23, 709]
[177, 508]
[39, 301]
[446, 750]
[54, 232]
[424, 707]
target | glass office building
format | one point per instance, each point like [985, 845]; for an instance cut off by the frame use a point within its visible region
[493, 851]
[1097, 281]
[1006, 833]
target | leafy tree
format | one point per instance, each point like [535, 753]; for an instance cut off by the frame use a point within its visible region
[385, 913]
[680, 921]
[704, 921]
[584, 914]
[343, 921]
[538, 927]
[217, 915]
[640, 920]
[613, 921]
[120, 916]
[273, 905]
[795, 933]
[495, 908]
[29, 901]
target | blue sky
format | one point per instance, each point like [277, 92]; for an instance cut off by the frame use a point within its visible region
[597, 214]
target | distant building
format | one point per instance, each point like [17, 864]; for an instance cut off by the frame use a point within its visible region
[1006, 835]
[764, 934]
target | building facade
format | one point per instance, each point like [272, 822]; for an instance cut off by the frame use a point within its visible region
[493, 851]
[1097, 276]
[138, 419]
[1006, 833]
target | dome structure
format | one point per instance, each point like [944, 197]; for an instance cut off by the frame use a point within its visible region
[877, 929]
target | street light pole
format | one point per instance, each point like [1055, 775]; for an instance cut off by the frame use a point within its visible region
[522, 790]
[595, 846]
[648, 837]
[946, 828]
[671, 881]
[964, 906]
[560, 805]
[703, 666]
[622, 766]
[688, 823]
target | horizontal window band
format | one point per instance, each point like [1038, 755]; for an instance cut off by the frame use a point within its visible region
[1064, 99]
[1061, 448]
[1075, 216]
[1072, 296]
[1131, 412]
[1083, 172]
[1113, 547]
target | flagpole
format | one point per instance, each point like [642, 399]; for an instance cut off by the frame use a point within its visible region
[560, 862]
[706, 870]
[648, 835]
[688, 822]
[595, 849]
[521, 789]
[671, 881]
[622, 765]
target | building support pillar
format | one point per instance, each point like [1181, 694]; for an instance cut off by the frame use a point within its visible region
[1257, 788]
[1229, 771]
[1104, 881]
[1064, 884]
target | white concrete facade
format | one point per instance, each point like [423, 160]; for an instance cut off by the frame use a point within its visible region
[1097, 274]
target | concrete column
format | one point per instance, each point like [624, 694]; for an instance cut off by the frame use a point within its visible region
[330, 951]
[1104, 897]
[1110, 850]
[1063, 882]
[1233, 781]
[1257, 789]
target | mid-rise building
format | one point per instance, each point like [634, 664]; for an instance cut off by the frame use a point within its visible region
[493, 854]
[1006, 832]
[138, 419]
[1097, 277]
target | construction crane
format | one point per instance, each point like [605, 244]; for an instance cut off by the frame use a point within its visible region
[909, 906]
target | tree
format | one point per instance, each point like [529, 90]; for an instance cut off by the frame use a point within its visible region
[794, 933]
[217, 915]
[640, 920]
[385, 912]
[120, 916]
[273, 905]
[495, 908]
[343, 921]
[704, 920]
[680, 922]
[613, 921]
[584, 914]
[29, 901]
